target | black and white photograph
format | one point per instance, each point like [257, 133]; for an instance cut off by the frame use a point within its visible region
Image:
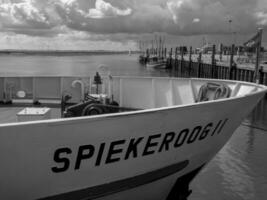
[133, 100]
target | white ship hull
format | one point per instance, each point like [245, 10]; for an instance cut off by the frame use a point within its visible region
[133, 155]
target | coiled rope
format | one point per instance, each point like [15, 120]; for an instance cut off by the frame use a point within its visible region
[213, 91]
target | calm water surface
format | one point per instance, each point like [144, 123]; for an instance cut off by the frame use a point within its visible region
[72, 65]
[239, 171]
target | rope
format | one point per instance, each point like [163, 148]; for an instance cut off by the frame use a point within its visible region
[213, 91]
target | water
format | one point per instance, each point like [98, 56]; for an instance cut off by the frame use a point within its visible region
[72, 65]
[239, 171]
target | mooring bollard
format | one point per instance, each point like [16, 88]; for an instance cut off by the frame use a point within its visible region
[170, 62]
[182, 61]
[176, 62]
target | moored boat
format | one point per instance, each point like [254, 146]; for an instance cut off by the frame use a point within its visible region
[156, 64]
[174, 128]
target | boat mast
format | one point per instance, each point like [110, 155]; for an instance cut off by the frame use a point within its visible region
[162, 46]
[156, 45]
[159, 50]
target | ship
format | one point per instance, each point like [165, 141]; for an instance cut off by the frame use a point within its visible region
[137, 138]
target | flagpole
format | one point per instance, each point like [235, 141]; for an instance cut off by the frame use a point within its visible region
[258, 52]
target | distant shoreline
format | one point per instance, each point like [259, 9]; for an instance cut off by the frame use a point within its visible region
[62, 52]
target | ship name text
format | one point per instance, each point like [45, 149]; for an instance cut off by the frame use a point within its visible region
[67, 158]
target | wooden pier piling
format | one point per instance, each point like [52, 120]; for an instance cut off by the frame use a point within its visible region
[199, 65]
[232, 65]
[182, 61]
[213, 62]
[190, 61]
[176, 67]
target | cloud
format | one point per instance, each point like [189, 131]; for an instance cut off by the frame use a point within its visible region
[213, 15]
[262, 18]
[73, 40]
[171, 16]
[130, 17]
[103, 9]
[28, 16]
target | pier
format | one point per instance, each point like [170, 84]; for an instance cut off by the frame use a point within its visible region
[223, 65]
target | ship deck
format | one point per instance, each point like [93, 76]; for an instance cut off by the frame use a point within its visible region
[127, 91]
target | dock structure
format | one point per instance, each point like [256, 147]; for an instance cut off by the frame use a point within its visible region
[228, 64]
[207, 66]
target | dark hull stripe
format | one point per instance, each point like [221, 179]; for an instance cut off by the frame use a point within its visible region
[121, 185]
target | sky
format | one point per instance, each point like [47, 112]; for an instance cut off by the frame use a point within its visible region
[119, 24]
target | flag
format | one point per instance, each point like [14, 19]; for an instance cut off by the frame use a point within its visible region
[254, 41]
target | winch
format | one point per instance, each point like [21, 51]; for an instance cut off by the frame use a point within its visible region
[93, 104]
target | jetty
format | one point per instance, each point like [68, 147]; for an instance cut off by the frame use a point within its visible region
[231, 66]
[211, 65]
[228, 65]
[227, 62]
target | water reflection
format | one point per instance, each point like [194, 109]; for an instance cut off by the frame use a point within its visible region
[251, 141]
[258, 118]
[239, 171]
[235, 170]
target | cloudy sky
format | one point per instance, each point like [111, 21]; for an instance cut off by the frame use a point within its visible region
[118, 24]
